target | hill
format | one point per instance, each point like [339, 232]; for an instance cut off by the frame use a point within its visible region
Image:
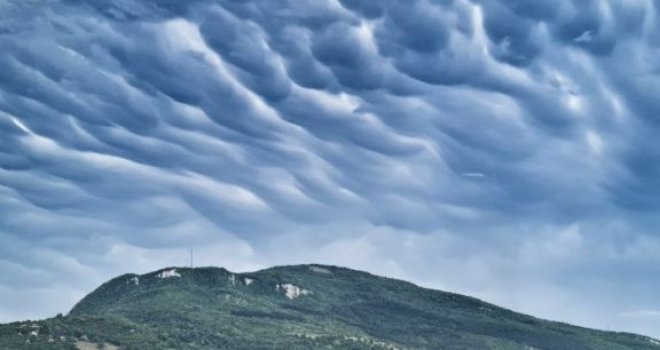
[294, 307]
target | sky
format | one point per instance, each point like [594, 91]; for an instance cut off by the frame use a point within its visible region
[505, 149]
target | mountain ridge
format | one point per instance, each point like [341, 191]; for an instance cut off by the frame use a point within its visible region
[307, 306]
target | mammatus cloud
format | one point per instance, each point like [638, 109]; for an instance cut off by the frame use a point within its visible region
[501, 148]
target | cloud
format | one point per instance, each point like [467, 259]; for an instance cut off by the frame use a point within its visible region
[511, 141]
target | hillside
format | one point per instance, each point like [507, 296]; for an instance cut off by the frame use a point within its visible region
[294, 307]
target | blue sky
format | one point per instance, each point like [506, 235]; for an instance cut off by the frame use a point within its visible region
[504, 149]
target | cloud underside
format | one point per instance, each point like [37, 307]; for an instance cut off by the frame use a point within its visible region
[483, 146]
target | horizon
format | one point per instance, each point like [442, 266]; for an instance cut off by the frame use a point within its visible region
[319, 265]
[501, 149]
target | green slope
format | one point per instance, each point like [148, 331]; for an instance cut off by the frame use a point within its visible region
[295, 307]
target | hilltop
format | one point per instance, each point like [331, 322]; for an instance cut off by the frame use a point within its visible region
[295, 307]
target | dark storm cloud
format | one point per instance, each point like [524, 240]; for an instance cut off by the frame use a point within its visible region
[129, 129]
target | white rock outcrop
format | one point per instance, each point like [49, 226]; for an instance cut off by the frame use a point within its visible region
[168, 274]
[292, 291]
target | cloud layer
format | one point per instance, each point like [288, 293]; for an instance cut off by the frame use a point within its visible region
[501, 148]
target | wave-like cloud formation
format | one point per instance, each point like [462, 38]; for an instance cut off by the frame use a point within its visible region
[482, 146]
